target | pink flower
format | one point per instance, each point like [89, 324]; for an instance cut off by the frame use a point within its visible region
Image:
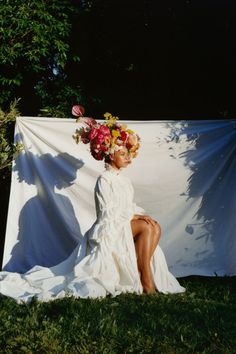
[119, 142]
[88, 121]
[78, 110]
[93, 133]
[104, 130]
[118, 126]
[100, 138]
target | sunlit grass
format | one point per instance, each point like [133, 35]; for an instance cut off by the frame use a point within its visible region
[203, 320]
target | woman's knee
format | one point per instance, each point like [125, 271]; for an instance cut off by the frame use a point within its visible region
[148, 228]
[141, 227]
[156, 232]
[151, 230]
[157, 229]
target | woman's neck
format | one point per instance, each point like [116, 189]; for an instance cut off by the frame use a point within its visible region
[112, 168]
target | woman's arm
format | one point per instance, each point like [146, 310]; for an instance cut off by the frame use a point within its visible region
[105, 195]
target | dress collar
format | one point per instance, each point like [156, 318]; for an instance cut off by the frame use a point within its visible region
[111, 169]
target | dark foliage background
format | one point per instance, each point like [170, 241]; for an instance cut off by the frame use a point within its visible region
[141, 59]
[160, 59]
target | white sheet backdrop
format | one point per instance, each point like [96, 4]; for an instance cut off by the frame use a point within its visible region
[184, 177]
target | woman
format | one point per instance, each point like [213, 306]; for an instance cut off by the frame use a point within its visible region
[122, 234]
[120, 252]
[146, 231]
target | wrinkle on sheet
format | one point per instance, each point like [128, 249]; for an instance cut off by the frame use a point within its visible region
[184, 177]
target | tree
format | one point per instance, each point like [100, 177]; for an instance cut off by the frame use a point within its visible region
[7, 151]
[34, 52]
[7, 148]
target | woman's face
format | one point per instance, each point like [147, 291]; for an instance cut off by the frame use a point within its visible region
[120, 158]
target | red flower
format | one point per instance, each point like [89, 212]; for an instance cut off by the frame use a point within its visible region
[93, 133]
[104, 130]
[97, 155]
[100, 138]
[103, 148]
[123, 135]
[84, 138]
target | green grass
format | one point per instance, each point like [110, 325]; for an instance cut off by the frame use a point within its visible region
[203, 320]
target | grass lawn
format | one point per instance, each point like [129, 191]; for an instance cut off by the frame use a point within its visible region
[203, 320]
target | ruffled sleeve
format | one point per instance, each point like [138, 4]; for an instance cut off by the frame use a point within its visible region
[137, 210]
[108, 206]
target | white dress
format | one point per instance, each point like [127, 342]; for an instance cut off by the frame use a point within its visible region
[104, 263]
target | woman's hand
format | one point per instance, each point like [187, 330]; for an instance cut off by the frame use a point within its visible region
[146, 218]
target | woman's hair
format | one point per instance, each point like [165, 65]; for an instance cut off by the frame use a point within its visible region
[107, 159]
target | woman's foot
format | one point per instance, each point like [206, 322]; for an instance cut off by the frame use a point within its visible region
[148, 285]
[149, 291]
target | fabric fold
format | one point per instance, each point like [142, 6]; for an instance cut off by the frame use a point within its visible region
[104, 263]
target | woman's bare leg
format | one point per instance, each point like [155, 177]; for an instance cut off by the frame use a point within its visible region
[146, 237]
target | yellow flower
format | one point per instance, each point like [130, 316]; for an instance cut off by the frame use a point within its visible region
[113, 142]
[77, 138]
[130, 131]
[110, 119]
[115, 133]
[124, 126]
[134, 154]
[107, 115]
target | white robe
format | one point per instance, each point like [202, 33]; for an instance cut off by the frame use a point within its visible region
[104, 263]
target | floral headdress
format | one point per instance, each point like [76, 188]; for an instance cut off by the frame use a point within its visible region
[105, 138]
